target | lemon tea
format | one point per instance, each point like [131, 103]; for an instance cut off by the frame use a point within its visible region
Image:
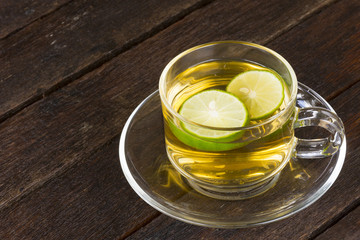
[229, 116]
[258, 153]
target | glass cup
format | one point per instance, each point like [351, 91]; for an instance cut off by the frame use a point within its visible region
[251, 162]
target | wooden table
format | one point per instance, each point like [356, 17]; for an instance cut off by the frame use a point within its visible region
[71, 73]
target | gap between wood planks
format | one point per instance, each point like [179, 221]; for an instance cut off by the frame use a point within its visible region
[341, 90]
[335, 220]
[34, 20]
[82, 72]
[114, 53]
[38, 184]
[98, 63]
[147, 221]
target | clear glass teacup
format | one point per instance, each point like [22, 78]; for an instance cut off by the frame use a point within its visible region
[251, 162]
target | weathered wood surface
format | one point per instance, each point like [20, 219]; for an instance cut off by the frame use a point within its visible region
[73, 121]
[90, 201]
[82, 35]
[59, 166]
[322, 50]
[347, 228]
[15, 15]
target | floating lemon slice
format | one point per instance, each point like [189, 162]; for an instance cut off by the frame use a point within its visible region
[212, 108]
[261, 91]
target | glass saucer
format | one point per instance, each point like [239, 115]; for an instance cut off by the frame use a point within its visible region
[146, 167]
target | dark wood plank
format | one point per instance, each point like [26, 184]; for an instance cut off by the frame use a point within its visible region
[322, 54]
[80, 204]
[347, 228]
[15, 15]
[303, 225]
[73, 40]
[47, 139]
[92, 200]
[57, 131]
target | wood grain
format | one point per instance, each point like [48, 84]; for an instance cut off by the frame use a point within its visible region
[80, 204]
[92, 200]
[66, 126]
[347, 228]
[82, 35]
[15, 15]
[322, 50]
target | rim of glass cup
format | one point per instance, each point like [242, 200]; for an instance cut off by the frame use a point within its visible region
[163, 97]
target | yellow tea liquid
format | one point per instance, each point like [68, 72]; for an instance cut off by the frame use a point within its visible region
[263, 150]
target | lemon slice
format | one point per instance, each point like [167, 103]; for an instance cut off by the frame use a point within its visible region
[261, 91]
[214, 108]
[203, 144]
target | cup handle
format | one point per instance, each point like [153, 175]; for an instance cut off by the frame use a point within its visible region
[324, 147]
